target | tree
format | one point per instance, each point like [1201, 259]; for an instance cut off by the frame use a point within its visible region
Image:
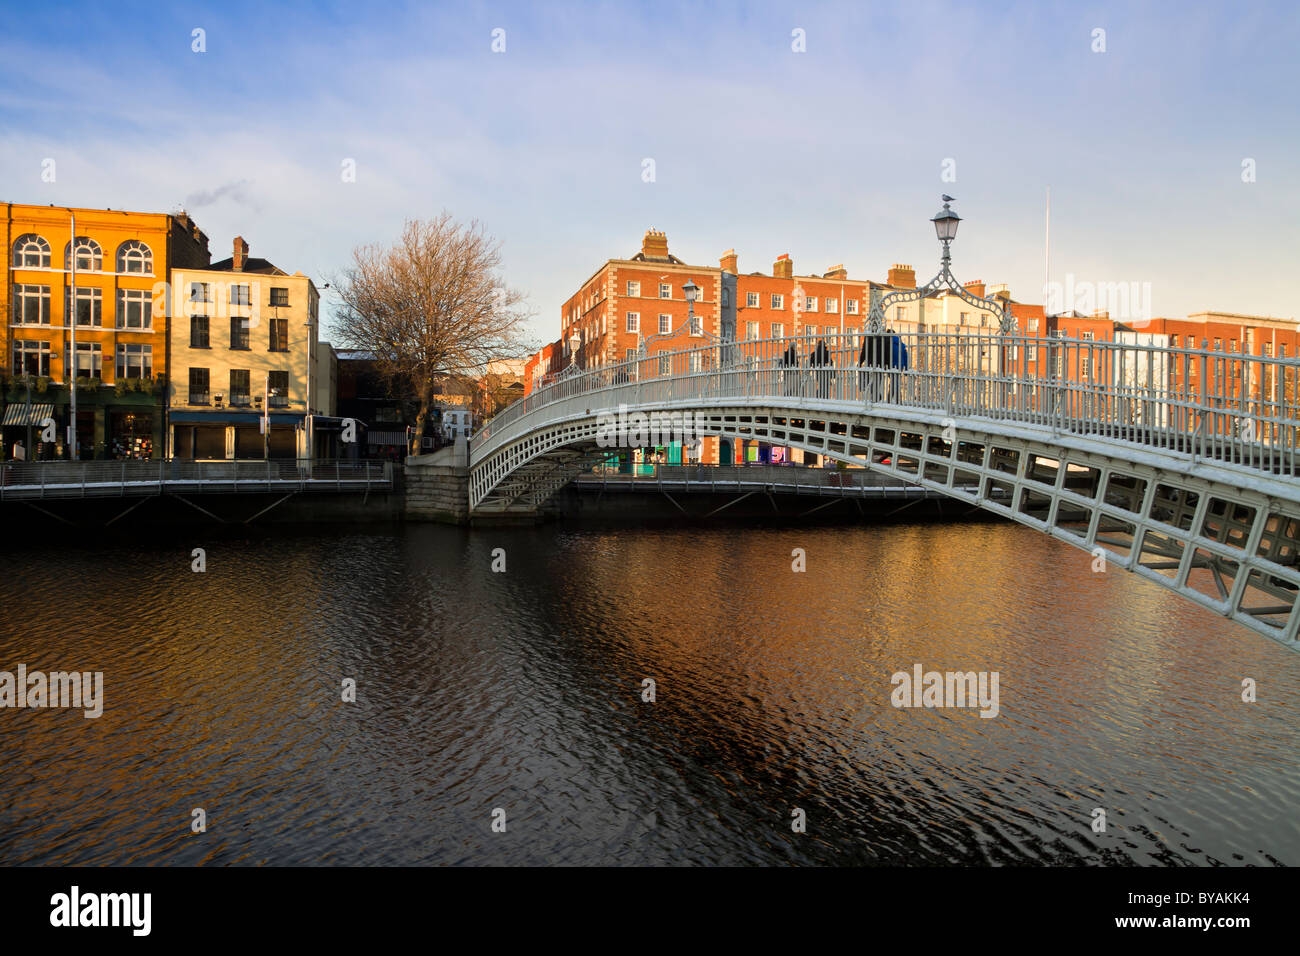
[430, 306]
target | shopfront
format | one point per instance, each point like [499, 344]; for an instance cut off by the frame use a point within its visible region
[226, 435]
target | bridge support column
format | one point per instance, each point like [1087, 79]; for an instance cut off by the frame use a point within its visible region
[437, 485]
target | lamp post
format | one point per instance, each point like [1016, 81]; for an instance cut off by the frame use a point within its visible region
[945, 228]
[575, 345]
[692, 292]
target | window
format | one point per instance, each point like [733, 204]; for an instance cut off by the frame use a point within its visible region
[665, 290]
[832, 305]
[778, 301]
[31, 358]
[135, 257]
[1268, 349]
[665, 365]
[90, 306]
[778, 330]
[240, 393]
[665, 323]
[134, 361]
[751, 300]
[633, 321]
[90, 257]
[1031, 353]
[239, 295]
[1087, 336]
[199, 386]
[697, 325]
[1085, 366]
[90, 359]
[851, 334]
[238, 333]
[199, 332]
[629, 355]
[810, 303]
[134, 309]
[32, 304]
[278, 382]
[1218, 345]
[31, 252]
[810, 330]
[199, 292]
[1173, 341]
[751, 330]
[279, 297]
[900, 314]
[1033, 326]
[634, 288]
[279, 335]
[1232, 345]
[851, 306]
[726, 296]
[963, 318]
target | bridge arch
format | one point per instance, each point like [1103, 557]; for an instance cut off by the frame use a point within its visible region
[1124, 476]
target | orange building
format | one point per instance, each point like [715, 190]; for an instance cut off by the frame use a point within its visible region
[120, 270]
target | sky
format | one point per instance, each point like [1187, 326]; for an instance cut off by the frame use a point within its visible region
[1170, 142]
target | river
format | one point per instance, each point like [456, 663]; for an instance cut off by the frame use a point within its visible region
[516, 696]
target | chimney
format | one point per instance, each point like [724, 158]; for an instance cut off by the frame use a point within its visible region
[836, 272]
[654, 245]
[901, 276]
[241, 254]
[783, 268]
[729, 262]
[975, 287]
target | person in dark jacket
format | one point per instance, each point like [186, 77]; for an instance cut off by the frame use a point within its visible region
[820, 362]
[898, 362]
[873, 358]
[790, 375]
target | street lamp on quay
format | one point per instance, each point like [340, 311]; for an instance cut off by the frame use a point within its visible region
[575, 349]
[945, 228]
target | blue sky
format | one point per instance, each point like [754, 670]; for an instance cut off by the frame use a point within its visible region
[832, 155]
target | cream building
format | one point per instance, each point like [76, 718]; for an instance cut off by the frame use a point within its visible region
[244, 350]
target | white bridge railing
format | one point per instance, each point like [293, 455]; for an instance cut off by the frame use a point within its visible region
[1223, 406]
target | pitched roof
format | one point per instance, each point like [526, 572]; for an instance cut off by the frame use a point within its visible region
[256, 266]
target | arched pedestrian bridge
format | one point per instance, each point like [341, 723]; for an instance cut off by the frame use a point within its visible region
[1180, 465]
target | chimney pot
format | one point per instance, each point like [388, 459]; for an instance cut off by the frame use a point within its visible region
[240, 256]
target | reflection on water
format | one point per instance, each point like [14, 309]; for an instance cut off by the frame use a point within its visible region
[522, 691]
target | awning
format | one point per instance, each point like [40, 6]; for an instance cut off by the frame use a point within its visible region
[386, 438]
[233, 418]
[22, 414]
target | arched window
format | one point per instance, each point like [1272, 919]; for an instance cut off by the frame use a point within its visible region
[31, 252]
[90, 257]
[135, 256]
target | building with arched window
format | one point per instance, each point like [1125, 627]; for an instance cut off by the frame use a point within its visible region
[107, 290]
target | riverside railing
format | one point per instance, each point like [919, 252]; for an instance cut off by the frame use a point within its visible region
[85, 479]
[1229, 407]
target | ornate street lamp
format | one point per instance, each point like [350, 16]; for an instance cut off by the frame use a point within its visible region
[945, 227]
[575, 344]
[692, 292]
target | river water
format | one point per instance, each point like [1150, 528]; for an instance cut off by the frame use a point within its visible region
[521, 692]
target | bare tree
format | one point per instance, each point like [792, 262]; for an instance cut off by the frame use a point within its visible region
[431, 306]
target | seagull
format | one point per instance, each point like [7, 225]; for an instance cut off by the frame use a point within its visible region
[948, 198]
